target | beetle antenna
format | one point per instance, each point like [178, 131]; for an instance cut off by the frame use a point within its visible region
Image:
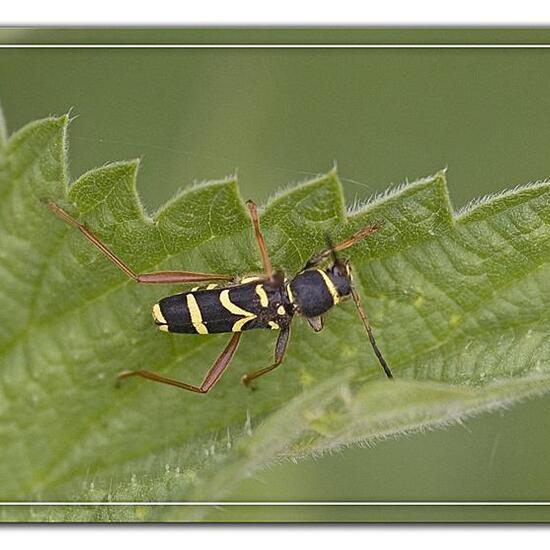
[364, 318]
[346, 243]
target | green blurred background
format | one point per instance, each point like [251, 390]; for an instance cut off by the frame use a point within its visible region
[280, 116]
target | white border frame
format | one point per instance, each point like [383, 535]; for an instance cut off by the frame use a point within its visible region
[277, 46]
[282, 46]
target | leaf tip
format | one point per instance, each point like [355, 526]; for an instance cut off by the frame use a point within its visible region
[60, 123]
[129, 167]
[441, 175]
[96, 185]
[132, 165]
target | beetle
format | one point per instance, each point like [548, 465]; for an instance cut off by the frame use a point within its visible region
[230, 304]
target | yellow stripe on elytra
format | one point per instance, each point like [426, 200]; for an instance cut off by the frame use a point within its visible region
[289, 292]
[260, 291]
[281, 310]
[274, 325]
[249, 279]
[238, 325]
[233, 308]
[330, 286]
[158, 316]
[196, 316]
[236, 310]
[211, 286]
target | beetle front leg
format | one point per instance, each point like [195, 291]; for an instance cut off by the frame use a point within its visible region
[251, 205]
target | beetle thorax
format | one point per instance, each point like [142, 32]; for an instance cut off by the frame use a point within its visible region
[314, 291]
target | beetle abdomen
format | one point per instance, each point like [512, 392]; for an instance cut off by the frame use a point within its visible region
[194, 313]
[232, 309]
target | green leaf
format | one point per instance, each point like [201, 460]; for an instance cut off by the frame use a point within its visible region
[459, 304]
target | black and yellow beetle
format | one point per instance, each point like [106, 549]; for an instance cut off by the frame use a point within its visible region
[232, 305]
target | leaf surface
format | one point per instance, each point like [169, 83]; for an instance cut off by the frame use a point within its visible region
[459, 305]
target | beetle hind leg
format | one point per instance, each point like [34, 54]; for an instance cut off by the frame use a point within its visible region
[157, 277]
[212, 376]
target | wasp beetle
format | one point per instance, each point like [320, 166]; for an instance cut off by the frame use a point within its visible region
[229, 304]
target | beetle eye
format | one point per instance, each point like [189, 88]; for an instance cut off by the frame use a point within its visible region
[341, 270]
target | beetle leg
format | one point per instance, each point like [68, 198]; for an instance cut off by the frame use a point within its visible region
[260, 239]
[316, 323]
[346, 243]
[280, 351]
[158, 277]
[211, 378]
